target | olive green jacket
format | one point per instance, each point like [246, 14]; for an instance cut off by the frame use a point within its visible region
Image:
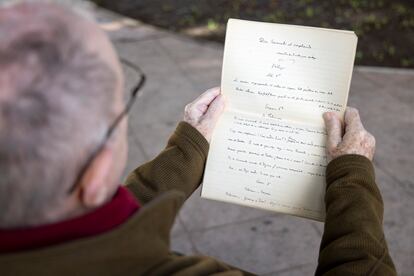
[353, 241]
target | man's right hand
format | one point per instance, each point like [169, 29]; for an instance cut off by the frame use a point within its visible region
[349, 139]
[204, 112]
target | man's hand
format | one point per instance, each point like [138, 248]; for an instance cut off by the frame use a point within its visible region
[355, 140]
[204, 112]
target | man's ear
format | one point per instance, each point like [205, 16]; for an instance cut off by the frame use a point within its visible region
[95, 186]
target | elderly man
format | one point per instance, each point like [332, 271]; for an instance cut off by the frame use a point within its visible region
[63, 148]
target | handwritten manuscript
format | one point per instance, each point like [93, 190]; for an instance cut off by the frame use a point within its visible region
[268, 148]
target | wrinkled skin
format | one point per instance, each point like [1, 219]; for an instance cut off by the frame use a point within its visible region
[348, 138]
[204, 112]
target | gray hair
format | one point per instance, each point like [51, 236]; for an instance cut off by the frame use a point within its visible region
[56, 103]
[80, 7]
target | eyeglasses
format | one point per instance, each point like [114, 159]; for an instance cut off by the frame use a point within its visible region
[115, 123]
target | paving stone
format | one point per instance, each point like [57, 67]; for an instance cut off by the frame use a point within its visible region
[123, 29]
[318, 226]
[181, 240]
[199, 61]
[178, 228]
[381, 76]
[388, 113]
[182, 244]
[398, 222]
[262, 245]
[404, 263]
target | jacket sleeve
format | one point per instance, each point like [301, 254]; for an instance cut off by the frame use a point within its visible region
[353, 241]
[179, 166]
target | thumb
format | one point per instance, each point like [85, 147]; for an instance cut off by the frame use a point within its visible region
[215, 109]
[334, 130]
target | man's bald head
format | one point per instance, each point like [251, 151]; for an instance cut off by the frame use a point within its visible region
[60, 88]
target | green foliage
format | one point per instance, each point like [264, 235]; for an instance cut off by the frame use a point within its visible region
[309, 12]
[212, 25]
[385, 28]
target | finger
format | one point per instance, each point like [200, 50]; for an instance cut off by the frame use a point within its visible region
[352, 119]
[215, 109]
[334, 129]
[207, 97]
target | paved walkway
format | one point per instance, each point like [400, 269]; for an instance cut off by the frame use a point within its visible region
[179, 69]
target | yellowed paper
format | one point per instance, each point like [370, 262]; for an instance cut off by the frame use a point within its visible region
[268, 149]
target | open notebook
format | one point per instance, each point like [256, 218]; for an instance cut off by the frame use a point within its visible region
[268, 148]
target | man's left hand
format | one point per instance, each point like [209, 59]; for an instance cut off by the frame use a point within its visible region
[204, 112]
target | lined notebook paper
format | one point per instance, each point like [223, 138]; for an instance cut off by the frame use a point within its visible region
[268, 148]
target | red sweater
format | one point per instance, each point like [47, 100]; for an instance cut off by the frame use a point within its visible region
[103, 219]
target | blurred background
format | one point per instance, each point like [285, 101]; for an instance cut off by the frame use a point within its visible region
[385, 28]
